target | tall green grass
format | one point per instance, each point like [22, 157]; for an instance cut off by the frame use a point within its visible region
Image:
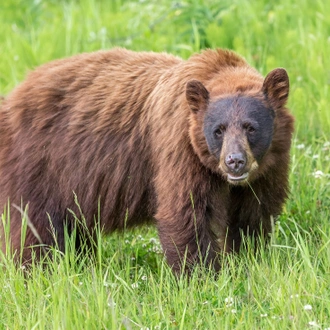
[128, 284]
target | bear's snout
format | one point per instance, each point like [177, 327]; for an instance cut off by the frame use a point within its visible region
[236, 165]
[236, 162]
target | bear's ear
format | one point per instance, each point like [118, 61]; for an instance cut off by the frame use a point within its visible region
[276, 88]
[197, 95]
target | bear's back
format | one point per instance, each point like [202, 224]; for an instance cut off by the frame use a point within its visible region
[78, 125]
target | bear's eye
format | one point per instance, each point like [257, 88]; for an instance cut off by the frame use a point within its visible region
[249, 128]
[219, 131]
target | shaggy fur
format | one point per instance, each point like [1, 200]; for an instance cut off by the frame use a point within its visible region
[124, 131]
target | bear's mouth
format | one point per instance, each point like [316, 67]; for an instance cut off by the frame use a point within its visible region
[242, 177]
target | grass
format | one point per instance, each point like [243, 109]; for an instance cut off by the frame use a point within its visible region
[129, 285]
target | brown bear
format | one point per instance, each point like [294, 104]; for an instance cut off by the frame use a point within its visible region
[200, 147]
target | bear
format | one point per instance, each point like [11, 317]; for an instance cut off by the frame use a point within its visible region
[198, 147]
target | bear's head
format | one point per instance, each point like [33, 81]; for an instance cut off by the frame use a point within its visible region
[232, 134]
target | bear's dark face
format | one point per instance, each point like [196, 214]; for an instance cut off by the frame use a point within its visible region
[232, 134]
[238, 131]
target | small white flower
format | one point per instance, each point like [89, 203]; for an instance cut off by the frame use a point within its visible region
[308, 307]
[326, 144]
[264, 315]
[300, 146]
[205, 302]
[135, 285]
[313, 324]
[229, 301]
[316, 156]
[318, 174]
[144, 278]
[234, 311]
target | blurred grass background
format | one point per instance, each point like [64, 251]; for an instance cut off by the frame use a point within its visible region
[130, 287]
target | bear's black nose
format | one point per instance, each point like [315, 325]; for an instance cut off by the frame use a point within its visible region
[235, 162]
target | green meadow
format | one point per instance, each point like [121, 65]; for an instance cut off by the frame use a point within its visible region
[285, 285]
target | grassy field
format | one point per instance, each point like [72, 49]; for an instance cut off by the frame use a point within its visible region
[129, 286]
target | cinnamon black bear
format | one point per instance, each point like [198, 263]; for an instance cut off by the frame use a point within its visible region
[141, 137]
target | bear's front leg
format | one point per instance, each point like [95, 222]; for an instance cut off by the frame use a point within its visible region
[184, 229]
[186, 244]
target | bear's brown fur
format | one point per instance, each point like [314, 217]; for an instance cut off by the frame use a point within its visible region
[125, 132]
